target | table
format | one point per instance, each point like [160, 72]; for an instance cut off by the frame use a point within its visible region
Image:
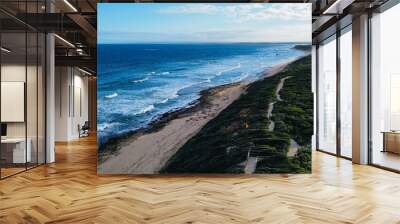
[391, 141]
[13, 150]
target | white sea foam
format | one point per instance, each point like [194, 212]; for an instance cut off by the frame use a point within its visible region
[145, 110]
[140, 80]
[229, 69]
[164, 73]
[176, 94]
[205, 81]
[173, 96]
[164, 100]
[242, 77]
[104, 126]
[111, 95]
[149, 108]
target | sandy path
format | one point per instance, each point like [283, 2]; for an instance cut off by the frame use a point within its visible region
[251, 163]
[271, 125]
[294, 146]
[148, 153]
[280, 86]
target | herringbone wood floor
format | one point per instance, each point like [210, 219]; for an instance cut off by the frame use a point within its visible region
[69, 191]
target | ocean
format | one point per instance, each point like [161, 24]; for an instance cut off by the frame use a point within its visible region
[137, 83]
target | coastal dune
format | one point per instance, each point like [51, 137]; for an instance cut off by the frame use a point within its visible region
[147, 153]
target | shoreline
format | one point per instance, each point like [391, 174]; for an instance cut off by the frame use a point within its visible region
[147, 150]
[161, 121]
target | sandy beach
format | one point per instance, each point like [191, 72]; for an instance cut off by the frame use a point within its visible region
[147, 153]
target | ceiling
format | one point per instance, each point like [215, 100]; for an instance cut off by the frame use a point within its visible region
[73, 21]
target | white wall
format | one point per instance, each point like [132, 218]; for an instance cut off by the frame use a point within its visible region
[17, 73]
[81, 85]
[33, 126]
[71, 102]
[9, 73]
[62, 82]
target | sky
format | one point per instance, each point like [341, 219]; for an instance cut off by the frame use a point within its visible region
[203, 23]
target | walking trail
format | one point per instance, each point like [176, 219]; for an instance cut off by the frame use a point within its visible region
[251, 163]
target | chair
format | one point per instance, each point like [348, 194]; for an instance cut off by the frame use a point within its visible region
[84, 130]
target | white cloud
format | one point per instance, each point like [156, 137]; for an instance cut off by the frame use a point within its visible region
[286, 33]
[191, 9]
[293, 33]
[253, 22]
[248, 12]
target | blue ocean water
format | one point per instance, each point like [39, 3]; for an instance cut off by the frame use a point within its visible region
[139, 82]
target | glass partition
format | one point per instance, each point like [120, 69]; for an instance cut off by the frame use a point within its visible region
[41, 97]
[327, 95]
[15, 150]
[32, 95]
[385, 89]
[22, 78]
[346, 93]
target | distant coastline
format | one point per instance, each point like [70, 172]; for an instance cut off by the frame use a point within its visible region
[303, 47]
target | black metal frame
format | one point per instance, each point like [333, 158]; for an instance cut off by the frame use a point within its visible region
[369, 114]
[44, 80]
[316, 96]
[338, 98]
[387, 5]
[339, 32]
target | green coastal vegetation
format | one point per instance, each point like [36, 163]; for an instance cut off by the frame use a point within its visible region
[240, 131]
[303, 47]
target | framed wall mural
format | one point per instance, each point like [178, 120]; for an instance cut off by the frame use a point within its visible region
[204, 88]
